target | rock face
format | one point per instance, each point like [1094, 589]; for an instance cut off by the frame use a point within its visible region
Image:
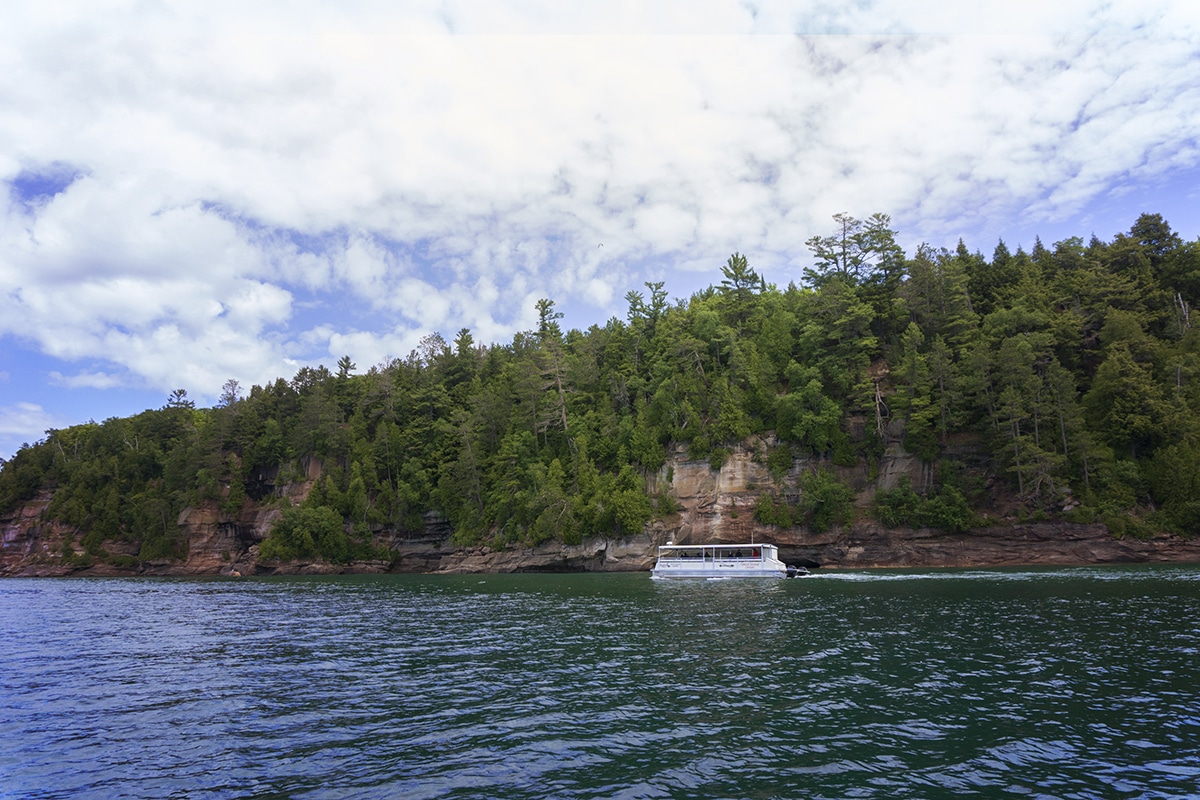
[27, 545]
[871, 545]
[715, 506]
[718, 506]
[636, 553]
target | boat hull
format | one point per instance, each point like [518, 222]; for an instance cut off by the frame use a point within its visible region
[716, 574]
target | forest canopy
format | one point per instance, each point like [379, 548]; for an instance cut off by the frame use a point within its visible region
[1073, 369]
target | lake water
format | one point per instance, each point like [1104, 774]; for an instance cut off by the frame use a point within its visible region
[1067, 683]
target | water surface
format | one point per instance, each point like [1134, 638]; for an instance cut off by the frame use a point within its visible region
[1071, 683]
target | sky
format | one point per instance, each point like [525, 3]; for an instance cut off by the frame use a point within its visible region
[200, 191]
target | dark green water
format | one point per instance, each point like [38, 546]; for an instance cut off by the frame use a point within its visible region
[1074, 683]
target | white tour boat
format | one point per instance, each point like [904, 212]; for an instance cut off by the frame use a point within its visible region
[720, 561]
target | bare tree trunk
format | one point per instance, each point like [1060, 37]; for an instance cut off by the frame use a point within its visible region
[879, 405]
[1016, 428]
[562, 397]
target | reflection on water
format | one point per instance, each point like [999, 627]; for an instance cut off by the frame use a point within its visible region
[1053, 683]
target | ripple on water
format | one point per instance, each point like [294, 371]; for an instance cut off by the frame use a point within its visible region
[1048, 682]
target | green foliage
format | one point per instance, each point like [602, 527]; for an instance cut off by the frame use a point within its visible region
[899, 507]
[780, 461]
[806, 414]
[825, 500]
[772, 510]
[1123, 526]
[946, 510]
[858, 251]
[665, 503]
[305, 532]
[21, 477]
[1075, 368]
[1174, 481]
[949, 511]
[631, 510]
[123, 562]
[1125, 404]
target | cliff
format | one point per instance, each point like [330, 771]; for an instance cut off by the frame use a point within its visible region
[718, 506]
[713, 506]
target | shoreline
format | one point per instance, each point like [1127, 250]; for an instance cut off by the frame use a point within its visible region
[857, 547]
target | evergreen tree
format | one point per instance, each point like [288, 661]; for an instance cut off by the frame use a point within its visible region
[1074, 368]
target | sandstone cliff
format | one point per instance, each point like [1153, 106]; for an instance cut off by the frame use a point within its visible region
[714, 506]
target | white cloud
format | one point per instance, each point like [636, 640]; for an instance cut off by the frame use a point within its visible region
[23, 423]
[90, 380]
[248, 177]
[371, 348]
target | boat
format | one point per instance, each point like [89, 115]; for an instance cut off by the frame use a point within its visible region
[721, 561]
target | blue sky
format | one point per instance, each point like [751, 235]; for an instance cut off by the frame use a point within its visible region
[201, 191]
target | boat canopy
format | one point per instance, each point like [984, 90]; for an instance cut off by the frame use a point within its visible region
[719, 552]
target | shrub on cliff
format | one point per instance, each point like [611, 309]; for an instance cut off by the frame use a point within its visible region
[304, 532]
[898, 507]
[825, 501]
[773, 510]
[947, 510]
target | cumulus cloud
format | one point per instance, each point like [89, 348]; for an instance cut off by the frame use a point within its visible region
[91, 380]
[205, 191]
[23, 423]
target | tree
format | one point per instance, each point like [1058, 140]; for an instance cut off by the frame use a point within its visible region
[464, 343]
[1125, 404]
[836, 335]
[947, 380]
[824, 500]
[1175, 482]
[658, 303]
[302, 531]
[1075, 369]
[987, 283]
[548, 320]
[936, 294]
[1021, 411]
[230, 393]
[740, 281]
[806, 415]
[179, 399]
[858, 251]
[738, 289]
[914, 402]
[430, 350]
[1152, 233]
[1073, 435]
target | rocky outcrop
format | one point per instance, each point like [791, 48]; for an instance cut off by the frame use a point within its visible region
[633, 554]
[870, 545]
[713, 506]
[718, 506]
[29, 545]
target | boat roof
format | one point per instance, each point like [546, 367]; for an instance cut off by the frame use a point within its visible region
[714, 546]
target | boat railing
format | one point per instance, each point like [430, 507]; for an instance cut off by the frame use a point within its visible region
[706, 554]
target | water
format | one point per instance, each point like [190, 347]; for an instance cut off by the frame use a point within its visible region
[1070, 683]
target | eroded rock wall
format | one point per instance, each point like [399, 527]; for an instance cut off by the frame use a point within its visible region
[714, 506]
